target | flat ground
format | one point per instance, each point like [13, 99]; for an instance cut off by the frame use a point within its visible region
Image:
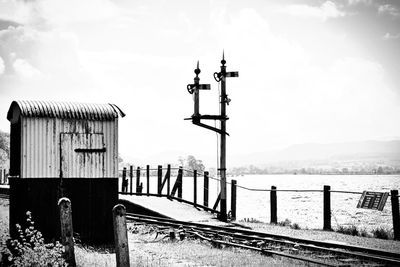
[149, 249]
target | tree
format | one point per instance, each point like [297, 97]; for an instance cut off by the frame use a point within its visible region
[192, 163]
[4, 149]
[380, 170]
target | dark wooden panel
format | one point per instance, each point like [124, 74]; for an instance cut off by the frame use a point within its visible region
[92, 202]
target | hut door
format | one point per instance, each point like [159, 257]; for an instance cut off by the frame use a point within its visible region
[82, 155]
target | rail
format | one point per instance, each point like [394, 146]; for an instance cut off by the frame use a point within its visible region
[307, 250]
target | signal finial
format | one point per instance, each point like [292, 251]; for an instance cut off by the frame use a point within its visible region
[197, 70]
[223, 58]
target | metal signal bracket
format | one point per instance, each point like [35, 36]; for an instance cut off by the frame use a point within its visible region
[196, 118]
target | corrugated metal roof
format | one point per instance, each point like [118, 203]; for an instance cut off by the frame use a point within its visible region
[65, 110]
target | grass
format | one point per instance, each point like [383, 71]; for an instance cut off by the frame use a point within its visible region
[156, 250]
[348, 230]
[250, 220]
[383, 233]
[4, 219]
[147, 248]
[380, 232]
[289, 223]
[286, 222]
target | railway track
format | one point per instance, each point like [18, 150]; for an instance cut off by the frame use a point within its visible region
[312, 251]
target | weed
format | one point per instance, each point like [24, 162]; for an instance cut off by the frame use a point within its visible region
[295, 226]
[251, 220]
[382, 233]
[363, 233]
[348, 230]
[286, 222]
[29, 248]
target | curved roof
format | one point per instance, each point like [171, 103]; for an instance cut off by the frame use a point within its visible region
[65, 110]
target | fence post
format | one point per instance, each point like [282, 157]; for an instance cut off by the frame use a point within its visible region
[327, 207]
[394, 197]
[205, 193]
[233, 199]
[180, 181]
[130, 178]
[67, 232]
[159, 179]
[138, 190]
[148, 179]
[168, 179]
[273, 202]
[123, 180]
[120, 236]
[195, 187]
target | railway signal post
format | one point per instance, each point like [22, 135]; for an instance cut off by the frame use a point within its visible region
[222, 117]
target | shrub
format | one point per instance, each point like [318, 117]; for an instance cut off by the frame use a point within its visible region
[286, 222]
[29, 248]
[382, 233]
[295, 226]
[348, 230]
[363, 233]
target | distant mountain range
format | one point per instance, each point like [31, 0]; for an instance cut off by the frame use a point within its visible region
[387, 151]
[339, 155]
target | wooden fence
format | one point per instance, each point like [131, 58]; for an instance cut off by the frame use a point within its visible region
[174, 191]
[326, 191]
[165, 187]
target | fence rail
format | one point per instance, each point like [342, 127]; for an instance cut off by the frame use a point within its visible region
[165, 186]
[163, 175]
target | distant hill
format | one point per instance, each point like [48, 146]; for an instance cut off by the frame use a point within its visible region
[337, 155]
[354, 151]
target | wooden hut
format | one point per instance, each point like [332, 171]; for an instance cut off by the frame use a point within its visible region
[54, 147]
[50, 139]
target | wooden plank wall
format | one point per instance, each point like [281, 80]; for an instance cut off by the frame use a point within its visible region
[92, 202]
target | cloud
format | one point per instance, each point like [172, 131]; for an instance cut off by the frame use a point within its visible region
[60, 12]
[2, 67]
[388, 10]
[47, 51]
[25, 69]
[286, 95]
[325, 11]
[283, 95]
[356, 2]
[389, 36]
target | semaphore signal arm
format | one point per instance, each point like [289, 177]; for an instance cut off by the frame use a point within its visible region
[222, 117]
[195, 90]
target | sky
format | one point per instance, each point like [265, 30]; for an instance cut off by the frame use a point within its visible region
[309, 71]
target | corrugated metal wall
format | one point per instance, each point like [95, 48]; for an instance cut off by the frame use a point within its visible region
[41, 144]
[87, 157]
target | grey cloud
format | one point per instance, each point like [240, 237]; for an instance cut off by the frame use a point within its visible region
[4, 24]
[15, 43]
[389, 9]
